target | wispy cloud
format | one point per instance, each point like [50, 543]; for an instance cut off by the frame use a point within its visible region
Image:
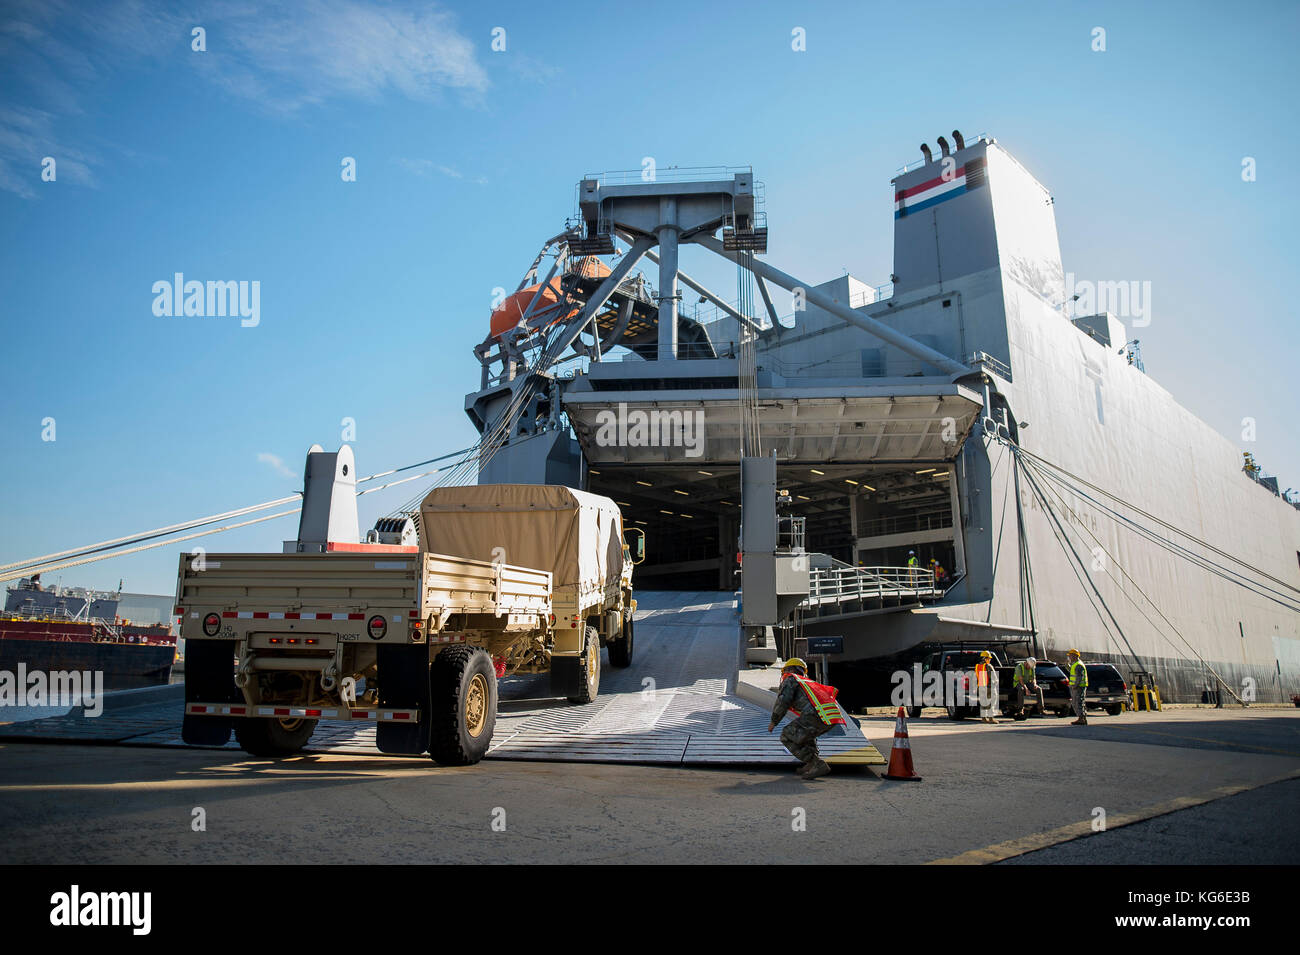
[27, 136]
[425, 167]
[281, 57]
[276, 462]
[287, 57]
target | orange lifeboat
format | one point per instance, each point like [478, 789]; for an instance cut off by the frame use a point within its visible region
[507, 315]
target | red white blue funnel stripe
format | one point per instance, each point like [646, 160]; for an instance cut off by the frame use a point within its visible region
[930, 193]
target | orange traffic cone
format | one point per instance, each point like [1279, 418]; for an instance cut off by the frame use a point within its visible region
[900, 754]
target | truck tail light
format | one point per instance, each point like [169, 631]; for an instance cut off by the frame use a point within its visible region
[211, 624]
[377, 626]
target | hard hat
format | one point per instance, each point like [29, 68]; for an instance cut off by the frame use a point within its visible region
[1031, 660]
[1074, 653]
[985, 653]
[911, 552]
[794, 662]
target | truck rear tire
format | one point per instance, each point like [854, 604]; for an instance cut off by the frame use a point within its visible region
[620, 650]
[590, 668]
[462, 705]
[272, 737]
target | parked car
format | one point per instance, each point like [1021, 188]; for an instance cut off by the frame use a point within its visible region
[1106, 689]
[1056, 688]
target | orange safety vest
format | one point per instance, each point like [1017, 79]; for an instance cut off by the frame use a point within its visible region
[822, 698]
[982, 674]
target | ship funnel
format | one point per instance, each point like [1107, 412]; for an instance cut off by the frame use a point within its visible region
[958, 140]
[943, 145]
[925, 151]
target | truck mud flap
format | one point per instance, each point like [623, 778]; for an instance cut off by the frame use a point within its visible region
[567, 677]
[403, 673]
[209, 678]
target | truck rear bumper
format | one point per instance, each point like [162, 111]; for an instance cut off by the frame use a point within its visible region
[374, 714]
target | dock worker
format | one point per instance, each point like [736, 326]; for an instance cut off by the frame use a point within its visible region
[815, 712]
[1025, 681]
[986, 683]
[1078, 688]
[912, 566]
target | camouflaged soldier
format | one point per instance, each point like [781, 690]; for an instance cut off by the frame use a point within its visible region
[815, 712]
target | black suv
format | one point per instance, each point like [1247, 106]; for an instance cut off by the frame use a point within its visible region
[1106, 689]
[1056, 687]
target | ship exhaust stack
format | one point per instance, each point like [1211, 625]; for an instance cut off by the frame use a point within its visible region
[925, 151]
[329, 501]
[958, 140]
[943, 146]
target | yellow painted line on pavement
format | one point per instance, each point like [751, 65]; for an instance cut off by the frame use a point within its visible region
[1077, 830]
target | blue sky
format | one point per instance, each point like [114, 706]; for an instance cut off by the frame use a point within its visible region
[225, 164]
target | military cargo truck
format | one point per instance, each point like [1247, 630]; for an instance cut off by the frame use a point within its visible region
[411, 636]
[575, 536]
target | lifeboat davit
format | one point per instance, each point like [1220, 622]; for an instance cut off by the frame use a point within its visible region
[507, 315]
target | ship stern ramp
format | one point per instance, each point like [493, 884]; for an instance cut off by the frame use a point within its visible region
[678, 703]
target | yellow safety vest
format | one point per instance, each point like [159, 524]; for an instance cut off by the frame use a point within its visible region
[1078, 674]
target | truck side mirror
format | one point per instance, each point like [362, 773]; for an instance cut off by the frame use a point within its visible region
[634, 537]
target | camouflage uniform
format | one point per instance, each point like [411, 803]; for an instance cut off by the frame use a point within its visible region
[800, 734]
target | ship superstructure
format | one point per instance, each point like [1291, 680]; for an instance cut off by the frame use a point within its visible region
[969, 413]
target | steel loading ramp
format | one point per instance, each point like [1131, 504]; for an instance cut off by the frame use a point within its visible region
[676, 704]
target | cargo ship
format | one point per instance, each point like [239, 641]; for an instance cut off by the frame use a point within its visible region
[74, 629]
[983, 409]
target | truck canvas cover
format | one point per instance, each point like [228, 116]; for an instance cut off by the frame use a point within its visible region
[577, 536]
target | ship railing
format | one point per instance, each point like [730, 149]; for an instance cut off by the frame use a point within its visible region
[624, 177]
[841, 583]
[987, 362]
[99, 624]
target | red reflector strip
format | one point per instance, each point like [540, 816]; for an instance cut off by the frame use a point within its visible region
[280, 711]
[339, 547]
[178, 611]
[292, 616]
[362, 714]
[313, 713]
[413, 613]
[229, 613]
[215, 709]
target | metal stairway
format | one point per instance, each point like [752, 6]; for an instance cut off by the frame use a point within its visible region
[837, 590]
